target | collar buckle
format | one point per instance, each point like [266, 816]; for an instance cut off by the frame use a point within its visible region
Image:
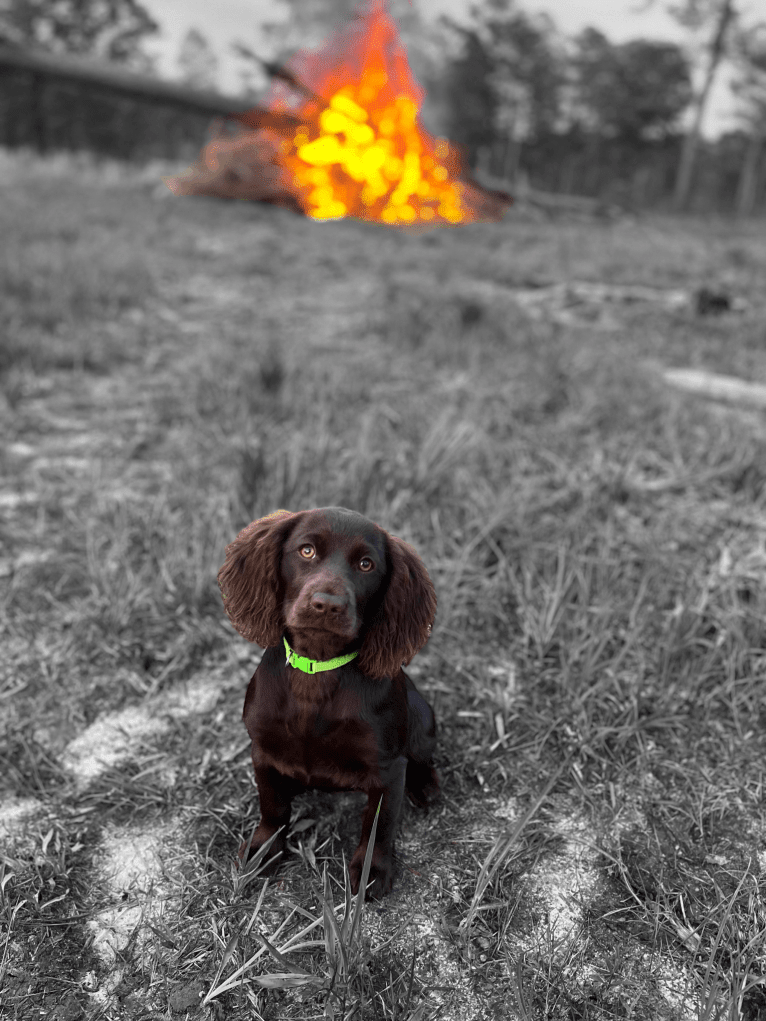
[313, 666]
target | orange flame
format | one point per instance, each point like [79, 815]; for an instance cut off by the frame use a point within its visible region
[338, 135]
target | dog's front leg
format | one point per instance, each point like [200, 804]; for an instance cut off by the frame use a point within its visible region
[276, 792]
[382, 866]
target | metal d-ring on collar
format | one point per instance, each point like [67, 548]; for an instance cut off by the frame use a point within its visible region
[313, 666]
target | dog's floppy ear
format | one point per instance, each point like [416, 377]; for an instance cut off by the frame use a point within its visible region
[249, 579]
[402, 624]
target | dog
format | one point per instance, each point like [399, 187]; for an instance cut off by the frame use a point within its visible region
[339, 605]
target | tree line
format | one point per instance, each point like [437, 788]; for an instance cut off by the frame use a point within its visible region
[585, 116]
[593, 117]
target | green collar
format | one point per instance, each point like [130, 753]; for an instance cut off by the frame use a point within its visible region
[313, 666]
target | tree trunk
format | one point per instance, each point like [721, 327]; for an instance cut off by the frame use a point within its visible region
[511, 159]
[38, 119]
[691, 141]
[748, 181]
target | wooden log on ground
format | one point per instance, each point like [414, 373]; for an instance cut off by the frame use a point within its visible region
[716, 387]
[549, 202]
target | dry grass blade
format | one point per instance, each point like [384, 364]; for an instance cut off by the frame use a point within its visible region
[252, 868]
[280, 958]
[348, 897]
[215, 989]
[715, 985]
[340, 942]
[293, 944]
[358, 906]
[228, 953]
[233, 980]
[502, 848]
[332, 932]
[286, 980]
[519, 990]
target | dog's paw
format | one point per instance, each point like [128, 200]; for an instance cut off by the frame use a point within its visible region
[381, 879]
[250, 848]
[421, 784]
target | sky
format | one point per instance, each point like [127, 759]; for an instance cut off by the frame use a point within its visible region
[229, 20]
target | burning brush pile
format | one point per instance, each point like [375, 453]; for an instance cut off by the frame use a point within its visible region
[338, 135]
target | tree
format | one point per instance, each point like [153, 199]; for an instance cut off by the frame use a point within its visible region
[197, 62]
[528, 73]
[471, 99]
[309, 22]
[632, 92]
[505, 85]
[696, 14]
[113, 29]
[750, 86]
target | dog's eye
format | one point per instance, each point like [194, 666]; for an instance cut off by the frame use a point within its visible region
[307, 551]
[366, 564]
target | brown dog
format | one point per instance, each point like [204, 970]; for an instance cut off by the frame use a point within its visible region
[339, 605]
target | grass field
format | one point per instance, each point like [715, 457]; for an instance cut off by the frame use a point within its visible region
[171, 369]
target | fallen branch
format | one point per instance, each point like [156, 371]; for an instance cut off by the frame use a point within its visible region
[115, 78]
[717, 387]
[552, 202]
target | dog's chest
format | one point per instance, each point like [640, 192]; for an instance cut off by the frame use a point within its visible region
[321, 747]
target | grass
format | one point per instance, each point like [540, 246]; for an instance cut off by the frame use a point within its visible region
[172, 369]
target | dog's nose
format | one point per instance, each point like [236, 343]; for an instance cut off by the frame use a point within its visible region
[325, 602]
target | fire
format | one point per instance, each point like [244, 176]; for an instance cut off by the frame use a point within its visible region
[377, 162]
[338, 135]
